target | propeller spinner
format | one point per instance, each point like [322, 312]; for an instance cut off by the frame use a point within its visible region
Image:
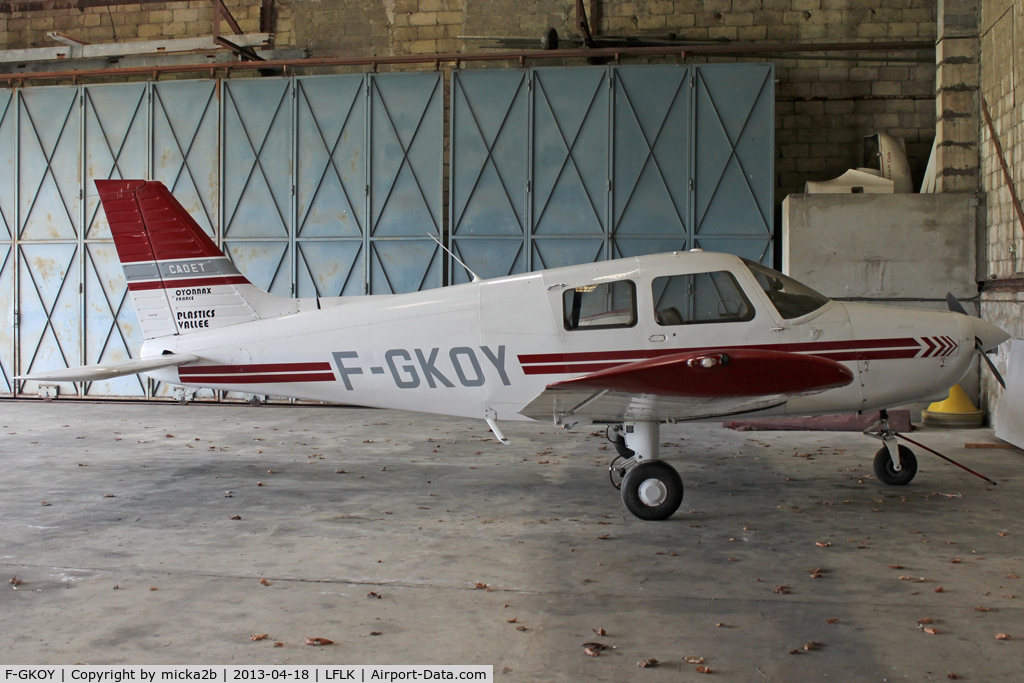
[986, 335]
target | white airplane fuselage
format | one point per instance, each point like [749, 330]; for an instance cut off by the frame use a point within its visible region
[488, 348]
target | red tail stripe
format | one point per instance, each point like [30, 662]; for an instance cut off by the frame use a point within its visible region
[191, 282]
[148, 224]
[258, 379]
[253, 369]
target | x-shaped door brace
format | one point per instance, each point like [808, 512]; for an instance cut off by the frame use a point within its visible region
[185, 152]
[256, 159]
[426, 271]
[348, 276]
[3, 118]
[116, 156]
[569, 147]
[650, 144]
[48, 312]
[405, 157]
[113, 324]
[330, 149]
[732, 152]
[489, 146]
[48, 158]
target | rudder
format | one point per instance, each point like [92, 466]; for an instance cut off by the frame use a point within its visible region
[178, 279]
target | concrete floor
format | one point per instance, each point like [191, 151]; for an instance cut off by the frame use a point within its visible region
[430, 509]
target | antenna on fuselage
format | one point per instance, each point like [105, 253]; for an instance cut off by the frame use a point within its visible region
[476, 278]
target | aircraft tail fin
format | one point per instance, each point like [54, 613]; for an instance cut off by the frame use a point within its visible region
[178, 279]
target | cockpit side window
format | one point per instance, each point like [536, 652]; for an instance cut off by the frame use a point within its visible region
[699, 298]
[790, 298]
[601, 306]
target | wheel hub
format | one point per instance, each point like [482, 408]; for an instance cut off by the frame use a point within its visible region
[653, 492]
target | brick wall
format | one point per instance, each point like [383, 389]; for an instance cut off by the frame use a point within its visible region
[185, 19]
[824, 108]
[1002, 84]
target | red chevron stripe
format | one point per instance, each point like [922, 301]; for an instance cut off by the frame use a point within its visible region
[931, 347]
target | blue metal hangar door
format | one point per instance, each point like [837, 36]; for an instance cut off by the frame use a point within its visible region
[563, 165]
[314, 186]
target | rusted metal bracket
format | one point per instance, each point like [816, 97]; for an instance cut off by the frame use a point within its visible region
[1002, 162]
[221, 11]
[246, 53]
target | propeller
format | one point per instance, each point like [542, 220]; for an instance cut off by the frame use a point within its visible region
[986, 335]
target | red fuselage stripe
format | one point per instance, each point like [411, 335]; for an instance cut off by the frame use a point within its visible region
[253, 369]
[206, 380]
[819, 347]
[191, 282]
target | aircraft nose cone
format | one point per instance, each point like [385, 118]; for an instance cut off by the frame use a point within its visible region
[988, 334]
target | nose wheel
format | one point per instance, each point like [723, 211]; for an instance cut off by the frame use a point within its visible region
[652, 490]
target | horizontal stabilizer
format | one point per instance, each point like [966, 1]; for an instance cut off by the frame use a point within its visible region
[93, 373]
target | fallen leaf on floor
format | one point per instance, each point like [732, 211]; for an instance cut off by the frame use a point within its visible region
[152, 588]
[938, 589]
[318, 641]
[952, 676]
[794, 652]
[924, 621]
[733, 559]
[169, 436]
[1012, 576]
[271, 472]
[603, 537]
[259, 483]
[599, 631]
[823, 544]
[591, 652]
[979, 608]
[278, 644]
[812, 645]
[375, 595]
[340, 471]
[703, 669]
[479, 586]
[261, 636]
[782, 590]
[1000, 533]
[644, 663]
[895, 566]
[831, 621]
[235, 517]
[375, 633]
[721, 625]
[15, 581]
[521, 628]
[512, 620]
[1002, 636]
[956, 560]
[44, 504]
[930, 631]
[694, 660]
[264, 582]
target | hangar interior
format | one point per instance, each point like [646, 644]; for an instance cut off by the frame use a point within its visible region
[349, 148]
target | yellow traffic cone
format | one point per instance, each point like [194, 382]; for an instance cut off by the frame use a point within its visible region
[956, 412]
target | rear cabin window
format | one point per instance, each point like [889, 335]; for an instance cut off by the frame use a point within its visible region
[599, 307]
[699, 298]
[790, 298]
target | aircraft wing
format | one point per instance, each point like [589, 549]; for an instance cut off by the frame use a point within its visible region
[690, 385]
[92, 373]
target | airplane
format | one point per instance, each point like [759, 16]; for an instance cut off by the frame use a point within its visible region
[631, 343]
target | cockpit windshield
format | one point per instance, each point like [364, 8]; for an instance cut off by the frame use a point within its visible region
[791, 299]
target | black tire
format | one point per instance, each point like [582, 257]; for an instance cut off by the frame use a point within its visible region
[620, 443]
[884, 471]
[638, 476]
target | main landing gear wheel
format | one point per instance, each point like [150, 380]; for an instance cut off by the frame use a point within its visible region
[652, 490]
[887, 474]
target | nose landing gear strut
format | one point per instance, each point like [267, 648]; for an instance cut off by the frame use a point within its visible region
[651, 489]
